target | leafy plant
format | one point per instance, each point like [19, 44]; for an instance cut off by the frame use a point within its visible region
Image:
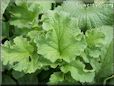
[51, 42]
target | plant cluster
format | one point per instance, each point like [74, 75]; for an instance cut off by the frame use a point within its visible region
[57, 42]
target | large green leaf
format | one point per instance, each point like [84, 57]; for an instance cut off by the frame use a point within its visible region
[19, 50]
[88, 17]
[19, 55]
[61, 40]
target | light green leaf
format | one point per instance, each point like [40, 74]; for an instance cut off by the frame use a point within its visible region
[60, 40]
[33, 34]
[108, 32]
[19, 55]
[45, 5]
[25, 15]
[30, 66]
[95, 41]
[107, 63]
[94, 38]
[16, 52]
[78, 71]
[88, 17]
[56, 77]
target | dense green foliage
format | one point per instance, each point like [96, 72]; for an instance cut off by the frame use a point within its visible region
[57, 42]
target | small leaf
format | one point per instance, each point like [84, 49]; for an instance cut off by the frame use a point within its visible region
[56, 77]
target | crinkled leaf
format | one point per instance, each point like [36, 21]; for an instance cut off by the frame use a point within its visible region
[30, 66]
[60, 41]
[19, 55]
[95, 41]
[15, 52]
[78, 71]
[94, 38]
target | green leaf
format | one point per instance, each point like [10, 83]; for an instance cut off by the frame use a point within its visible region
[94, 38]
[88, 17]
[107, 63]
[4, 4]
[19, 50]
[19, 55]
[29, 66]
[95, 42]
[33, 34]
[61, 39]
[45, 5]
[108, 32]
[78, 71]
[56, 77]
[25, 15]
